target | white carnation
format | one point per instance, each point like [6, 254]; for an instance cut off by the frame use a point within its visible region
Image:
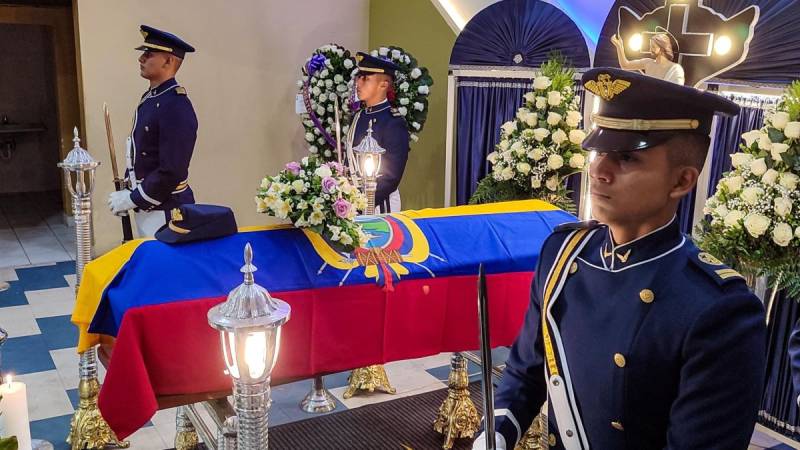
[416, 125]
[320, 110]
[424, 90]
[783, 206]
[405, 101]
[316, 91]
[324, 73]
[404, 86]
[310, 137]
[789, 180]
[780, 119]
[338, 78]
[313, 149]
[577, 136]
[329, 83]
[782, 234]
[396, 54]
[348, 64]
[797, 232]
[419, 106]
[555, 162]
[751, 194]
[559, 136]
[758, 167]
[331, 96]
[541, 82]
[415, 73]
[740, 159]
[554, 98]
[792, 130]
[577, 161]
[553, 118]
[383, 51]
[541, 133]
[756, 224]
[402, 110]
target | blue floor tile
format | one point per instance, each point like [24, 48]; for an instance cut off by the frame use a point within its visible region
[54, 430]
[45, 277]
[335, 380]
[58, 332]
[26, 354]
[74, 397]
[14, 296]
[443, 372]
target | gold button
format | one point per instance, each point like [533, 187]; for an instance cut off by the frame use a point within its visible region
[647, 296]
[619, 359]
[617, 426]
[573, 268]
[158, 105]
[552, 440]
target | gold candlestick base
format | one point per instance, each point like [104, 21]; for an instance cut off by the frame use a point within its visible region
[457, 417]
[537, 437]
[88, 429]
[368, 379]
[186, 436]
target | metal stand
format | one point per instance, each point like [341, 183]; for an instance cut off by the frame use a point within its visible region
[457, 417]
[319, 400]
[88, 428]
[185, 436]
[251, 402]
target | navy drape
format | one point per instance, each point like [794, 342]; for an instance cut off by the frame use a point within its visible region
[779, 405]
[728, 136]
[483, 106]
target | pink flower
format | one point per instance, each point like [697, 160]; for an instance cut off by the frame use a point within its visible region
[328, 185]
[293, 167]
[342, 208]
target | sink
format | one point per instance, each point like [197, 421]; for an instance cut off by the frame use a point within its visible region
[21, 128]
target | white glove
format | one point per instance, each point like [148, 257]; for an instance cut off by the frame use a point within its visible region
[480, 442]
[120, 201]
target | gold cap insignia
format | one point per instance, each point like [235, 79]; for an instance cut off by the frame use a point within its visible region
[709, 259]
[144, 33]
[176, 215]
[359, 58]
[605, 87]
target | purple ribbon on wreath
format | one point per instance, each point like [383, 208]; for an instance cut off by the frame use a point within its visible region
[315, 64]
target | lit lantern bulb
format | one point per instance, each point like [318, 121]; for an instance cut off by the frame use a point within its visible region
[722, 45]
[369, 166]
[635, 42]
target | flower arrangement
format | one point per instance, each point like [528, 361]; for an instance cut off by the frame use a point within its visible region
[316, 195]
[326, 77]
[412, 85]
[752, 219]
[541, 146]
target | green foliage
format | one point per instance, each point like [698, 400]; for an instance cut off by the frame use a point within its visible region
[9, 443]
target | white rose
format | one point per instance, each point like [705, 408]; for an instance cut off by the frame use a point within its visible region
[419, 106]
[323, 171]
[329, 84]
[782, 234]
[405, 101]
[769, 177]
[324, 73]
[554, 98]
[424, 90]
[383, 51]
[402, 110]
[553, 118]
[331, 96]
[415, 73]
[313, 149]
[316, 91]
[792, 130]
[783, 206]
[541, 82]
[540, 134]
[537, 154]
[541, 102]
[338, 78]
[504, 144]
[777, 149]
[536, 183]
[396, 54]
[532, 119]
[751, 194]
[758, 167]
[573, 118]
[320, 110]
[509, 127]
[577, 161]
[577, 136]
[756, 224]
[559, 136]
[555, 162]
[721, 211]
[406, 59]
[299, 186]
[764, 143]
[732, 219]
[522, 114]
[750, 137]
[529, 97]
[507, 173]
[310, 137]
[780, 119]
[734, 183]
[492, 158]
[740, 159]
[552, 183]
[523, 167]
[348, 64]
[416, 125]
[789, 180]
[404, 86]
[797, 232]
[517, 148]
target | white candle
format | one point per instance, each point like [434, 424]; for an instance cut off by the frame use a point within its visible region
[14, 407]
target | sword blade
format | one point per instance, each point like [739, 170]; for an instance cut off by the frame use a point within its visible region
[111, 148]
[486, 360]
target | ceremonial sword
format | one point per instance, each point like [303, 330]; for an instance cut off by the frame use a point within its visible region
[486, 360]
[119, 183]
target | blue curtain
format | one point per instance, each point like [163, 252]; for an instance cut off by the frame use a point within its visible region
[779, 405]
[483, 106]
[728, 136]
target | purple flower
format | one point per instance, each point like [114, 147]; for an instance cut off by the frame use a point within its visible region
[328, 185]
[337, 168]
[293, 167]
[342, 208]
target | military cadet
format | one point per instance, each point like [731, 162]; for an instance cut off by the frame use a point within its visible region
[637, 338]
[162, 140]
[374, 82]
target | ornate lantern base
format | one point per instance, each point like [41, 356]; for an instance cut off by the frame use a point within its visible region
[368, 379]
[457, 417]
[88, 428]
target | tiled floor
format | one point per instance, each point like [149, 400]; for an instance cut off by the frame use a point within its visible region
[41, 353]
[33, 230]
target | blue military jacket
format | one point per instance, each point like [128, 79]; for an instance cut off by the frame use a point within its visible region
[390, 130]
[663, 346]
[162, 142]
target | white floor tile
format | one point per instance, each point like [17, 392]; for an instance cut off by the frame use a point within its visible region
[66, 361]
[19, 321]
[430, 362]
[46, 395]
[11, 252]
[164, 422]
[147, 438]
[8, 274]
[72, 280]
[51, 302]
[41, 245]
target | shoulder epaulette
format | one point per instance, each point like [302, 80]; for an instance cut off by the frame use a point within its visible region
[180, 90]
[714, 268]
[584, 225]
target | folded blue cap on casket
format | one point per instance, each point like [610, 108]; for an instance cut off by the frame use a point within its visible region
[197, 222]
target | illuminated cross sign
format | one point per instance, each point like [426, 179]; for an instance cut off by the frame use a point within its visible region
[708, 43]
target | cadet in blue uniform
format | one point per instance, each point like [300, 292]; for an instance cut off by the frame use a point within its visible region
[162, 140]
[373, 82]
[647, 342]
